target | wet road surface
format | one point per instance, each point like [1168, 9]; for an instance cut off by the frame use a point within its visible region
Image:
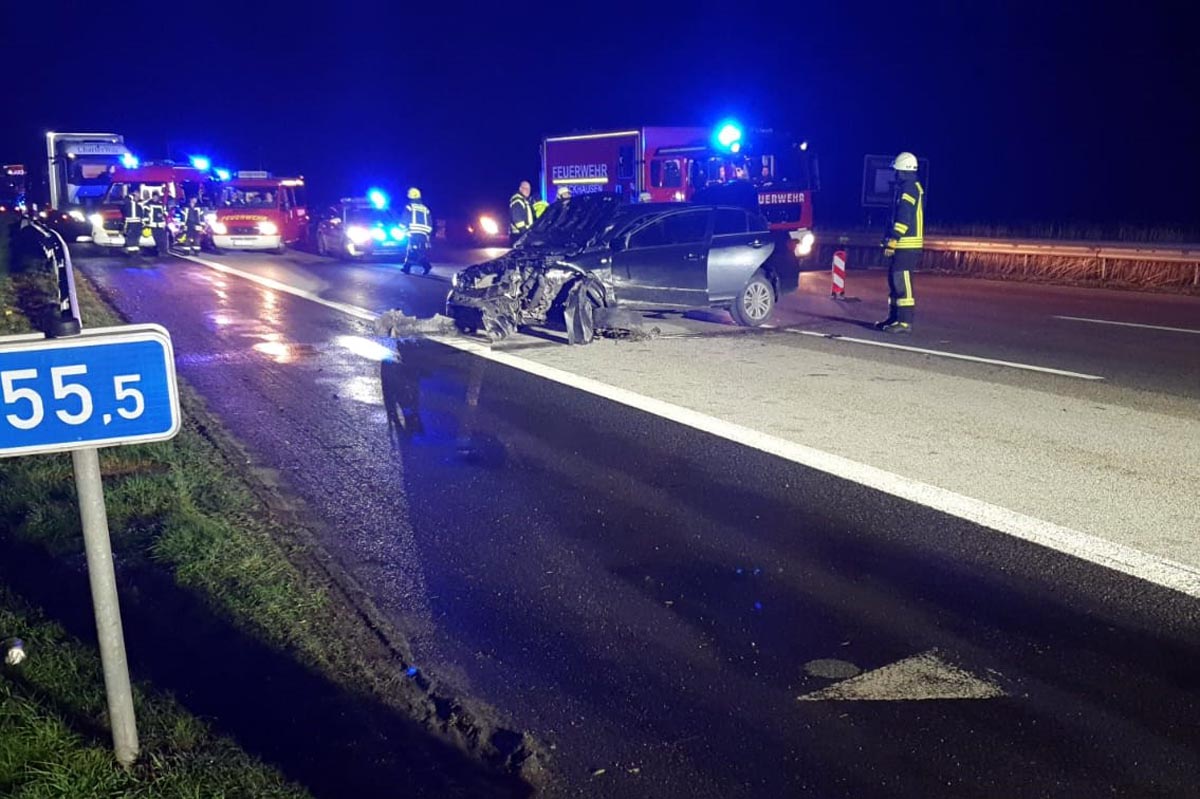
[675, 614]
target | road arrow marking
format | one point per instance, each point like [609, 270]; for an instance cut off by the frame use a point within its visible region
[921, 677]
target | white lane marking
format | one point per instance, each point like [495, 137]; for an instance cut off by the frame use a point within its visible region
[954, 355]
[1085, 546]
[271, 283]
[1129, 324]
[918, 678]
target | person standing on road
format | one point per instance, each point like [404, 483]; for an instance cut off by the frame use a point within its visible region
[131, 217]
[416, 217]
[520, 211]
[193, 223]
[902, 245]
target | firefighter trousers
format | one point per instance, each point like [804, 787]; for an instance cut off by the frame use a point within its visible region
[418, 252]
[901, 300]
[133, 235]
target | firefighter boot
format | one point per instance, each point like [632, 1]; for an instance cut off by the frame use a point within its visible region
[903, 322]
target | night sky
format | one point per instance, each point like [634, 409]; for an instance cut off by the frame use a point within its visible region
[1028, 112]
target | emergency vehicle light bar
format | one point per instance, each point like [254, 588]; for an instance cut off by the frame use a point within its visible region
[252, 173]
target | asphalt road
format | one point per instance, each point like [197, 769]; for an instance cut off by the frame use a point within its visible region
[673, 613]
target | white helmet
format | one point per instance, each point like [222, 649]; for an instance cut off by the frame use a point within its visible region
[564, 193]
[905, 162]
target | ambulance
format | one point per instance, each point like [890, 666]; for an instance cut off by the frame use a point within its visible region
[258, 211]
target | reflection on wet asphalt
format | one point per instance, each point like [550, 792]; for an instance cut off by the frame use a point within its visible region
[645, 598]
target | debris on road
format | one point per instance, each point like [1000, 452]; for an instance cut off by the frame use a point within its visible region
[399, 325]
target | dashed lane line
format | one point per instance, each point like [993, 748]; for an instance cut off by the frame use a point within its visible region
[1129, 324]
[1028, 367]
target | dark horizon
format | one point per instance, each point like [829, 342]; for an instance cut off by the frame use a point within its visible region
[1026, 113]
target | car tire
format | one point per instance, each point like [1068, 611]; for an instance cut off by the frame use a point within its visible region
[755, 303]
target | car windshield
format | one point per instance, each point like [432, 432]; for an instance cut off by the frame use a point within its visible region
[574, 224]
[250, 198]
[371, 216]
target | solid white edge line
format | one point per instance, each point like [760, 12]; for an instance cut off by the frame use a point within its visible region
[1085, 546]
[1029, 367]
[1128, 324]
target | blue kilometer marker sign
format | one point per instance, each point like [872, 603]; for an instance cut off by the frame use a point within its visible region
[104, 387]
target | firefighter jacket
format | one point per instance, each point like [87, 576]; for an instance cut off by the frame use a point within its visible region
[521, 211]
[156, 213]
[907, 231]
[193, 217]
[131, 211]
[416, 217]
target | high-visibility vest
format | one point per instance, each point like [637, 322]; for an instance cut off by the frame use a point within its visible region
[522, 213]
[418, 218]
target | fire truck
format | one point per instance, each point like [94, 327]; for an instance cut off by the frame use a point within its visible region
[12, 188]
[766, 170]
[176, 183]
[258, 211]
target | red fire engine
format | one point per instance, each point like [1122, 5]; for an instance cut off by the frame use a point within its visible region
[762, 168]
[176, 184]
[260, 212]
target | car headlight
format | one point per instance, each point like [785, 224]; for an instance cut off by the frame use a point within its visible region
[210, 218]
[77, 215]
[97, 220]
[489, 226]
[219, 228]
[268, 228]
[358, 234]
[398, 233]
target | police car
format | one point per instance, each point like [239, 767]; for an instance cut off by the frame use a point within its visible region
[361, 227]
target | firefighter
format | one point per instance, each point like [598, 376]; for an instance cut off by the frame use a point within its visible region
[156, 220]
[193, 223]
[521, 211]
[417, 219]
[563, 195]
[902, 244]
[131, 217]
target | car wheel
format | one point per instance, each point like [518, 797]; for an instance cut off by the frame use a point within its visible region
[754, 303]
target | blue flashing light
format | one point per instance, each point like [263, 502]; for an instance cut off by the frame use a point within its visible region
[200, 162]
[378, 198]
[728, 135]
[398, 233]
[223, 174]
[129, 161]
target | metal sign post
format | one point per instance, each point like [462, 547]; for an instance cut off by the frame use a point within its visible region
[88, 389]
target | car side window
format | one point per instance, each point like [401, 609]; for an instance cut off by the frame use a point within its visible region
[650, 236]
[686, 228]
[758, 224]
[729, 222]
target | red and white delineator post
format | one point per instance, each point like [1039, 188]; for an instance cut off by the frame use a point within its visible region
[838, 292]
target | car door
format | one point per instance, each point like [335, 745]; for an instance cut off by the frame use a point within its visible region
[665, 261]
[740, 244]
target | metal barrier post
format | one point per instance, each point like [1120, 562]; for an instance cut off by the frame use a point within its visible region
[97, 544]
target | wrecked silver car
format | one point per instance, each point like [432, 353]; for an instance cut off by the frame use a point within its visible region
[588, 258]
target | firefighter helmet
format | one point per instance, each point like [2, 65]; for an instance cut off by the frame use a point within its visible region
[564, 193]
[905, 162]
[415, 194]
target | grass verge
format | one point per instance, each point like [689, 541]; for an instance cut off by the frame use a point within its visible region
[219, 572]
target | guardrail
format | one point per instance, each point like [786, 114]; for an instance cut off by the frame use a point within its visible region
[1102, 253]
[66, 321]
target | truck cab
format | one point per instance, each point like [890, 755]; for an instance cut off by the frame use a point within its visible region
[258, 211]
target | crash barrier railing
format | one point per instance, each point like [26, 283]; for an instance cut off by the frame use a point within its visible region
[65, 321]
[1103, 254]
